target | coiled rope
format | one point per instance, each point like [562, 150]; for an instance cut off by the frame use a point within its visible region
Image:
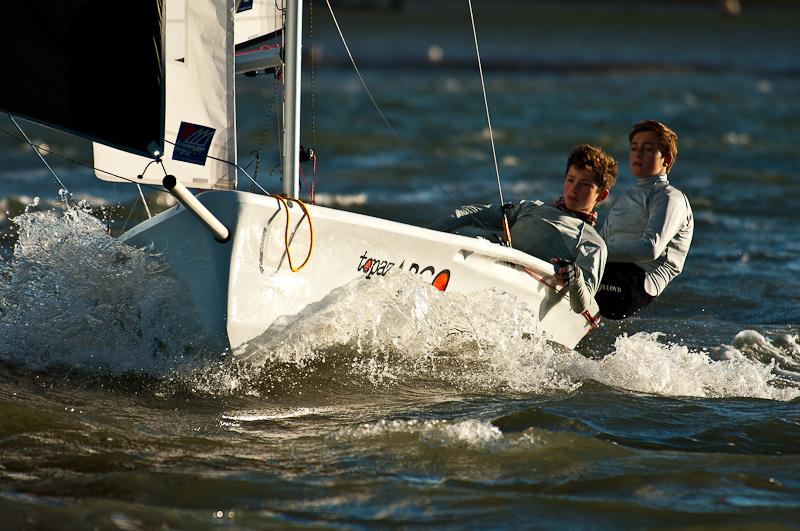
[284, 200]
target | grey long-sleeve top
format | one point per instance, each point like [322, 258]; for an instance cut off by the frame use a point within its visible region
[544, 232]
[651, 226]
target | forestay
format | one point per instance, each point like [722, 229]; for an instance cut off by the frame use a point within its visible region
[200, 103]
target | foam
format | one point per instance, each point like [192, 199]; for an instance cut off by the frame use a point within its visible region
[398, 329]
[436, 433]
[642, 363]
[73, 296]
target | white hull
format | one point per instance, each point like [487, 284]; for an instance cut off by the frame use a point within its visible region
[244, 286]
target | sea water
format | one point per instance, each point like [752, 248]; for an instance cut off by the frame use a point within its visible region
[392, 404]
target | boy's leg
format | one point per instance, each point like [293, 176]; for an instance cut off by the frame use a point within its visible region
[621, 292]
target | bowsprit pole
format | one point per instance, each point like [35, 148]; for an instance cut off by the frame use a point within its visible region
[193, 205]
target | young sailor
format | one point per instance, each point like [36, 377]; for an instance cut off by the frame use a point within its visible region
[648, 231]
[561, 232]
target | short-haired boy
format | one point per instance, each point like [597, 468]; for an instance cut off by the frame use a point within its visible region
[648, 231]
[561, 231]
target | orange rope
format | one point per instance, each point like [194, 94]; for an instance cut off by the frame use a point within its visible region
[284, 201]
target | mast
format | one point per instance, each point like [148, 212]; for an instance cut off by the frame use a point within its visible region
[291, 104]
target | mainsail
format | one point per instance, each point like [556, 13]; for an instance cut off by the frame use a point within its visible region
[200, 104]
[70, 64]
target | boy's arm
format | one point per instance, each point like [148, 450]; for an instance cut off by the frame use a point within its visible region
[585, 276]
[666, 215]
[483, 216]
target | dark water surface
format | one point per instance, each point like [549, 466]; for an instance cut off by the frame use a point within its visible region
[396, 406]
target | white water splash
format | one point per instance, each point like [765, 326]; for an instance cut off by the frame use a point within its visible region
[72, 296]
[432, 433]
[397, 328]
[783, 349]
[642, 363]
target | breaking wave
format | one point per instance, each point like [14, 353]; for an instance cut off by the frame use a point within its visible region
[71, 296]
[643, 363]
[396, 329]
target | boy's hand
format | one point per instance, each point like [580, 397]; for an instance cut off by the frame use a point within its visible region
[565, 270]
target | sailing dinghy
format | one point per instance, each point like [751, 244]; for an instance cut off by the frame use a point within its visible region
[250, 260]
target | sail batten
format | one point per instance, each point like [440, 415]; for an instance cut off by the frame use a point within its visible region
[55, 69]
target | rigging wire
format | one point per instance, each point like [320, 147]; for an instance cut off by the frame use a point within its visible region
[372, 99]
[35, 149]
[70, 199]
[279, 42]
[160, 162]
[506, 229]
[485, 99]
[42, 148]
[141, 195]
[46, 149]
[235, 165]
[267, 120]
[405, 146]
[255, 183]
[282, 201]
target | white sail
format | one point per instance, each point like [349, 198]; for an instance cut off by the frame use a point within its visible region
[258, 34]
[255, 19]
[200, 103]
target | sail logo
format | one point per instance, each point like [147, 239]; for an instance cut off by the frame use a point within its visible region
[375, 266]
[193, 143]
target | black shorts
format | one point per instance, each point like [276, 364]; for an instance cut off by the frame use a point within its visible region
[621, 292]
